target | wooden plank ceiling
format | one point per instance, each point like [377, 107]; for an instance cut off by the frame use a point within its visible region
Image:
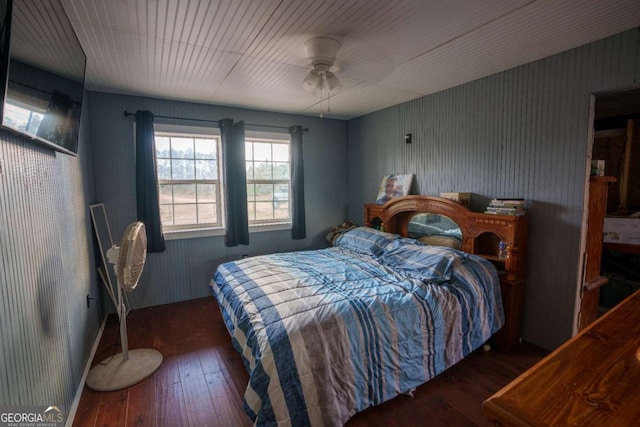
[251, 53]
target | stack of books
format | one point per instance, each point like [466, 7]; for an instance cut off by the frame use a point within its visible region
[506, 207]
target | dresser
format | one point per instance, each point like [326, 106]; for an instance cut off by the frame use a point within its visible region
[591, 380]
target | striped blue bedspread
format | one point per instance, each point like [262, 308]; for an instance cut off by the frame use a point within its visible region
[327, 333]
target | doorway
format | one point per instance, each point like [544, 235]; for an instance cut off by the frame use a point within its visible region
[616, 144]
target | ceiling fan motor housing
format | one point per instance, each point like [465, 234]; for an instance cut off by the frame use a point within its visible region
[322, 52]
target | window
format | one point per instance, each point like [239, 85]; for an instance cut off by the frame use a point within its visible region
[268, 181]
[190, 184]
[25, 119]
[188, 180]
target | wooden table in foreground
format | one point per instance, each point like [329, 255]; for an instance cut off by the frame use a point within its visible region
[591, 380]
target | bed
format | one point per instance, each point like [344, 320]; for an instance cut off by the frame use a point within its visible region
[327, 333]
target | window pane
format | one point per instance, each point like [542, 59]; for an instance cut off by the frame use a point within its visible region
[252, 211]
[24, 119]
[166, 214]
[206, 213]
[281, 198]
[206, 193]
[262, 151]
[182, 148]
[205, 148]
[264, 192]
[163, 149]
[249, 168]
[281, 152]
[185, 214]
[281, 192]
[281, 210]
[183, 169]
[164, 169]
[281, 171]
[263, 170]
[264, 211]
[206, 169]
[251, 192]
[184, 193]
[165, 196]
[248, 150]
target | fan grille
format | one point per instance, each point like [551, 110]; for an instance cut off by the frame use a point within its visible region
[133, 252]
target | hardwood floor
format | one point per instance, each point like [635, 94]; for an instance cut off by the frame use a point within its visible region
[202, 379]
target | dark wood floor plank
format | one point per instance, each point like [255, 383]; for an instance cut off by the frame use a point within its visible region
[195, 389]
[171, 407]
[239, 374]
[112, 410]
[180, 324]
[202, 315]
[169, 372]
[227, 402]
[465, 392]
[141, 328]
[216, 356]
[142, 404]
[211, 317]
[87, 408]
[202, 378]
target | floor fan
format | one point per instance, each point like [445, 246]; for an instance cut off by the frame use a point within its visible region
[129, 367]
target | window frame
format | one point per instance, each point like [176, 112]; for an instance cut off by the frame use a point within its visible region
[181, 231]
[205, 230]
[270, 224]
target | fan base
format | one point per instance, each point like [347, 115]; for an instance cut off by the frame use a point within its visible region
[114, 373]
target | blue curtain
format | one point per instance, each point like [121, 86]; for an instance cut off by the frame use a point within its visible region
[298, 230]
[235, 182]
[146, 181]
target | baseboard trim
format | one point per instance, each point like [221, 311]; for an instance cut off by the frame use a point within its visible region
[87, 368]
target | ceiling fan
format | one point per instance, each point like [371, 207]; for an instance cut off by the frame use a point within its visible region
[321, 51]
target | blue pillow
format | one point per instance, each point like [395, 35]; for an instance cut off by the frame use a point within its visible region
[426, 263]
[365, 240]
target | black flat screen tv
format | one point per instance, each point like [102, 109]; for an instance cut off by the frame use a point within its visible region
[42, 73]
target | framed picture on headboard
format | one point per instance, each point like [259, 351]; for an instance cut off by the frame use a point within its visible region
[393, 186]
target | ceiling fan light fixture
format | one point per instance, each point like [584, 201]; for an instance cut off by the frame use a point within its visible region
[321, 52]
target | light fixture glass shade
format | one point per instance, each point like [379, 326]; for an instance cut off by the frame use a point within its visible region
[317, 83]
[332, 82]
[312, 82]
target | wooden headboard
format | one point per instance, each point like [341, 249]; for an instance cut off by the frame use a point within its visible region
[481, 234]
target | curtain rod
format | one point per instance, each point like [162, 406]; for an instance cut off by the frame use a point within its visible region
[40, 91]
[127, 114]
